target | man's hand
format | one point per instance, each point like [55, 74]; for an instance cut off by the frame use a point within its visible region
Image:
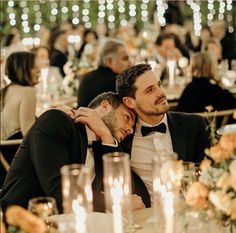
[68, 110]
[91, 118]
[137, 202]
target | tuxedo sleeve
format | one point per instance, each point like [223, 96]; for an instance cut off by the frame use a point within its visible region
[50, 142]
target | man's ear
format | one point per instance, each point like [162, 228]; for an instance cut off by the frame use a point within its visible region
[105, 107]
[129, 102]
[108, 61]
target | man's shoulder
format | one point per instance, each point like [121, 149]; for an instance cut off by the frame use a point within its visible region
[183, 116]
[54, 115]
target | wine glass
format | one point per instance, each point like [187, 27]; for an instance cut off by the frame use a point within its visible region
[189, 176]
[43, 207]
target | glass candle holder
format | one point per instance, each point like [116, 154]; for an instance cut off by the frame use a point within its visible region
[117, 187]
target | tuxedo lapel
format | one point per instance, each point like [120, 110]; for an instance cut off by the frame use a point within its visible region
[178, 135]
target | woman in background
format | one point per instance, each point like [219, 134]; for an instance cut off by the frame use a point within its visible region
[50, 76]
[204, 90]
[18, 99]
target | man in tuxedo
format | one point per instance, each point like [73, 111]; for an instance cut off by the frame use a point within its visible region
[56, 140]
[113, 59]
[157, 131]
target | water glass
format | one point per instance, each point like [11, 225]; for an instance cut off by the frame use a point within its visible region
[189, 176]
[117, 187]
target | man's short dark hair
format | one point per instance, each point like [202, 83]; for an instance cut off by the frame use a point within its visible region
[164, 36]
[113, 98]
[126, 79]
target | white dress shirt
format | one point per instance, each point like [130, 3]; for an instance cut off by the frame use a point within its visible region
[144, 148]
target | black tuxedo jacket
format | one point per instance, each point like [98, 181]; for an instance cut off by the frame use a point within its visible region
[189, 139]
[53, 141]
[101, 80]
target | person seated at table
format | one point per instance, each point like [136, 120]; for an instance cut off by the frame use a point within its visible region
[213, 46]
[58, 45]
[18, 102]
[113, 58]
[165, 48]
[18, 99]
[158, 131]
[204, 90]
[51, 73]
[56, 140]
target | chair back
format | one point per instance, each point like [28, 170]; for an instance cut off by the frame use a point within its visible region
[222, 117]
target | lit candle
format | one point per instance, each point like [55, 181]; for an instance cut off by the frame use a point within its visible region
[80, 216]
[116, 195]
[169, 211]
[171, 67]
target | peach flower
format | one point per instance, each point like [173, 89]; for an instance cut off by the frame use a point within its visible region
[224, 181]
[221, 201]
[218, 153]
[228, 141]
[232, 170]
[206, 163]
[197, 196]
[233, 209]
[18, 216]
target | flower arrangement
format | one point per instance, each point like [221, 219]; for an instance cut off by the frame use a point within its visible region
[20, 220]
[215, 191]
[70, 83]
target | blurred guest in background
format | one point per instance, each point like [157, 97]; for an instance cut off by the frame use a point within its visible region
[18, 99]
[18, 102]
[50, 76]
[213, 46]
[166, 49]
[113, 58]
[203, 90]
[219, 30]
[59, 49]
[89, 37]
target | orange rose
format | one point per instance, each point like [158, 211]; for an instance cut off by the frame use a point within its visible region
[205, 164]
[218, 153]
[224, 181]
[197, 196]
[18, 216]
[228, 141]
[233, 209]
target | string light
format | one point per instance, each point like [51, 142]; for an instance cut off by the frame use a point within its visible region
[121, 10]
[132, 12]
[229, 9]
[110, 14]
[221, 9]
[144, 11]
[25, 17]
[11, 14]
[211, 12]
[85, 13]
[64, 10]
[38, 15]
[75, 14]
[161, 8]
[197, 16]
[101, 11]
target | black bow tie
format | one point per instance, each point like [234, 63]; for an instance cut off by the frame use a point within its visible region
[145, 130]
